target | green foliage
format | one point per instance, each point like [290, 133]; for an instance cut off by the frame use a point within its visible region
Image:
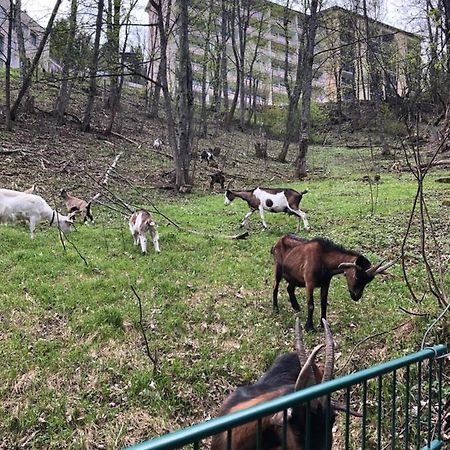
[273, 120]
[81, 55]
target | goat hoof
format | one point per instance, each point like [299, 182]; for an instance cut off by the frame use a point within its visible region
[309, 327]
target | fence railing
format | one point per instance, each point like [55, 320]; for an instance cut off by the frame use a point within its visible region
[400, 402]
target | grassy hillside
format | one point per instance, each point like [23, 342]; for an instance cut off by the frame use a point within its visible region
[74, 370]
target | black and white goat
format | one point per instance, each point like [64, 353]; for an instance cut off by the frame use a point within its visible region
[140, 222]
[273, 200]
[77, 206]
[289, 373]
[207, 156]
[15, 205]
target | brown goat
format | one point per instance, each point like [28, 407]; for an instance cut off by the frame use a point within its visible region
[289, 373]
[76, 205]
[312, 263]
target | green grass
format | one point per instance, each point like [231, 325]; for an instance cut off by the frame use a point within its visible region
[74, 370]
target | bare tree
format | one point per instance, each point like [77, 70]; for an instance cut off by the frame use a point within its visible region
[293, 87]
[185, 100]
[179, 124]
[10, 15]
[305, 120]
[20, 41]
[27, 81]
[86, 124]
[63, 99]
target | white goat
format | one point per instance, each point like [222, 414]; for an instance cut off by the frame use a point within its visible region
[158, 143]
[140, 222]
[32, 208]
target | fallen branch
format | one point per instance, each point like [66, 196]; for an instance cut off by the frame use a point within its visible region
[121, 136]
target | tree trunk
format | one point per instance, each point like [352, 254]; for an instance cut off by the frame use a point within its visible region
[206, 51]
[290, 127]
[305, 123]
[27, 82]
[294, 91]
[185, 99]
[8, 68]
[21, 42]
[224, 56]
[86, 124]
[62, 102]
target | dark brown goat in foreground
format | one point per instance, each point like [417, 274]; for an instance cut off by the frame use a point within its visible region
[312, 263]
[289, 373]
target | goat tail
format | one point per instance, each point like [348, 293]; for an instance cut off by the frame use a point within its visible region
[304, 192]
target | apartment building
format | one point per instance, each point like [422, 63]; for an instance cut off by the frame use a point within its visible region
[32, 33]
[342, 67]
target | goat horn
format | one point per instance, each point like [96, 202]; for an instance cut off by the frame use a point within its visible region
[305, 374]
[379, 268]
[349, 265]
[300, 343]
[328, 373]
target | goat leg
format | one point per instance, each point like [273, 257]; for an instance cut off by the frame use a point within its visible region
[309, 326]
[324, 301]
[276, 285]
[292, 298]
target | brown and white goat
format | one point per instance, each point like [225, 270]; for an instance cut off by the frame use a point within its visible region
[273, 200]
[289, 373]
[312, 263]
[15, 205]
[77, 206]
[140, 222]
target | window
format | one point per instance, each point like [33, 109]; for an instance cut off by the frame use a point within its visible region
[33, 39]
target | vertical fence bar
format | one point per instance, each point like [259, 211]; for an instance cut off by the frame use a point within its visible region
[327, 422]
[347, 418]
[285, 418]
[440, 364]
[379, 410]
[394, 395]
[407, 388]
[430, 399]
[364, 416]
[419, 389]
[229, 439]
[308, 426]
[258, 435]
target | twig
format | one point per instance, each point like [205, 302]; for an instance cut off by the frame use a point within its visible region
[412, 313]
[153, 359]
[368, 338]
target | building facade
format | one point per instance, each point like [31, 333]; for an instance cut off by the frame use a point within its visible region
[32, 33]
[343, 65]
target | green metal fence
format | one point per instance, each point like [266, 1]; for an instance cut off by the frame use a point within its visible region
[400, 402]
